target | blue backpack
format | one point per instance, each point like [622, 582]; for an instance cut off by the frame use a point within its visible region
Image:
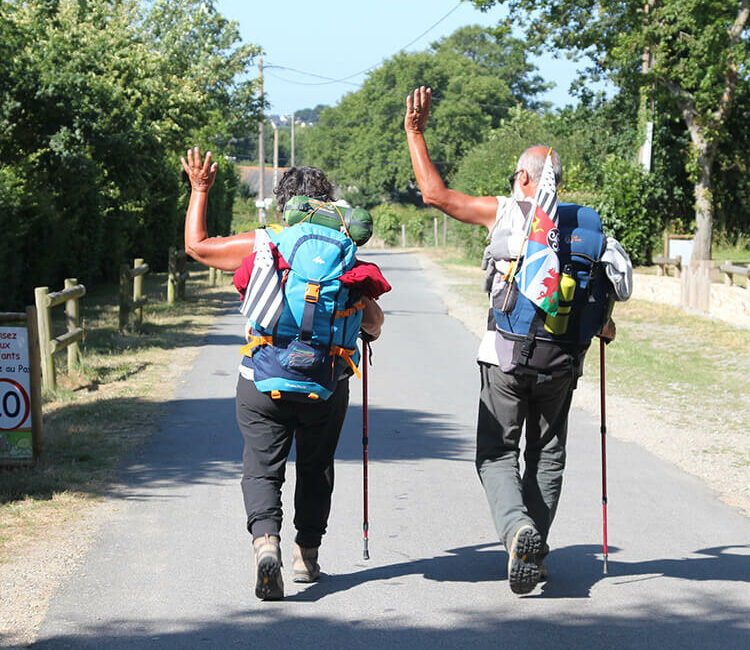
[581, 245]
[311, 344]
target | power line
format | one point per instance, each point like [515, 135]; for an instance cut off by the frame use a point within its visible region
[435, 99]
[331, 80]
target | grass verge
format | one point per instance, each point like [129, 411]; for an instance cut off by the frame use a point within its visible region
[108, 406]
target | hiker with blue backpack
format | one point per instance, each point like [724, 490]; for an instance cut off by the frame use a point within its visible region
[306, 299]
[552, 277]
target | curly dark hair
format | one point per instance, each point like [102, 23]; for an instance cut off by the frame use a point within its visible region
[305, 181]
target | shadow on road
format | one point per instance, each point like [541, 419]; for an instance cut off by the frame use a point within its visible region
[574, 570]
[200, 443]
[710, 624]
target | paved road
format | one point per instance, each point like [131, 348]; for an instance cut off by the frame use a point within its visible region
[173, 569]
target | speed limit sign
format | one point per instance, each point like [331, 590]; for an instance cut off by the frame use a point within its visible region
[20, 399]
[15, 405]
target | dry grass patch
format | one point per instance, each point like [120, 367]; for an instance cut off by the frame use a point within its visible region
[109, 406]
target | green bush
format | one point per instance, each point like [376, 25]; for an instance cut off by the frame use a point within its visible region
[628, 210]
[389, 217]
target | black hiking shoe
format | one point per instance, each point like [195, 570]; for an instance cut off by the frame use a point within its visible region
[268, 583]
[523, 570]
[543, 573]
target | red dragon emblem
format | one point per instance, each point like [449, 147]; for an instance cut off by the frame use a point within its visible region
[551, 284]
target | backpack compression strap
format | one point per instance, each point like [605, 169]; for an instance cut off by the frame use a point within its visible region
[329, 205]
[346, 355]
[312, 294]
[254, 342]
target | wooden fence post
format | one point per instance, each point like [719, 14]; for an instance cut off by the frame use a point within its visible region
[171, 275]
[124, 297]
[45, 336]
[445, 230]
[72, 316]
[181, 274]
[435, 228]
[138, 293]
[403, 235]
[35, 377]
[212, 276]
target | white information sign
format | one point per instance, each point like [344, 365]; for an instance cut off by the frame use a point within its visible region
[15, 395]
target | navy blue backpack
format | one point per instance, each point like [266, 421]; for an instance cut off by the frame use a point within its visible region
[581, 245]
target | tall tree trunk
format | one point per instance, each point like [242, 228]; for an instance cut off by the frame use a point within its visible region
[705, 150]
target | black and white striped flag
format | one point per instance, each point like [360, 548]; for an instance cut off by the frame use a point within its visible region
[264, 297]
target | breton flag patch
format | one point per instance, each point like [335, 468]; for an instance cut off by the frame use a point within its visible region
[264, 296]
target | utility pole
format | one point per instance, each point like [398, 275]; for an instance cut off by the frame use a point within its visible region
[275, 153]
[261, 158]
[647, 62]
[292, 161]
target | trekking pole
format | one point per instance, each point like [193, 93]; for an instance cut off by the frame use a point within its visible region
[604, 452]
[365, 522]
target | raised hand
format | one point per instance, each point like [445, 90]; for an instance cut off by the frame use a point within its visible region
[201, 176]
[418, 109]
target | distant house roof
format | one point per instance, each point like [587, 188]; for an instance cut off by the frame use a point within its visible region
[250, 174]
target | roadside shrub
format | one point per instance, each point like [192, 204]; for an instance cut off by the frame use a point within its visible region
[389, 217]
[629, 212]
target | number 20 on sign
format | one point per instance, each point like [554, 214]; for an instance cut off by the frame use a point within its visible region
[15, 404]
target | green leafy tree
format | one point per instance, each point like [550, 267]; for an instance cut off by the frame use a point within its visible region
[97, 101]
[691, 52]
[360, 142]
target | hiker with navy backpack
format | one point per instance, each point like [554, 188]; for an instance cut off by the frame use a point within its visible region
[306, 299]
[551, 276]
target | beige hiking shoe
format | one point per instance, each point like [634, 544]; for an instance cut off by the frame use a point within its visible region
[269, 584]
[305, 564]
[523, 571]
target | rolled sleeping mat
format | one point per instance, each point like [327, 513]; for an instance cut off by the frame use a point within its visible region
[356, 221]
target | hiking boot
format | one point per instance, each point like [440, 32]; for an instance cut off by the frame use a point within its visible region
[268, 584]
[523, 571]
[543, 575]
[305, 564]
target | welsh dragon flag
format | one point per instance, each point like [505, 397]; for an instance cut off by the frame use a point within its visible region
[539, 275]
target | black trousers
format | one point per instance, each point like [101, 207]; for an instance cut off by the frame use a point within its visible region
[268, 427]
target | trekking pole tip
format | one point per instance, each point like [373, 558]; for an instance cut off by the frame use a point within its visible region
[606, 565]
[365, 552]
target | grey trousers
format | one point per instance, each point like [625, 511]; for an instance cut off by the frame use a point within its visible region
[507, 402]
[268, 427]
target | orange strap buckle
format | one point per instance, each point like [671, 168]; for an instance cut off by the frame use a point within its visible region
[346, 355]
[312, 292]
[254, 342]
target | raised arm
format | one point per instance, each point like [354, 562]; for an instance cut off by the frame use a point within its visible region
[225, 253]
[479, 210]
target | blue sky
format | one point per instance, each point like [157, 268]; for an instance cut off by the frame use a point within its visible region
[338, 38]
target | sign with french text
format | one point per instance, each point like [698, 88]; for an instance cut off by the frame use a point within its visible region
[15, 395]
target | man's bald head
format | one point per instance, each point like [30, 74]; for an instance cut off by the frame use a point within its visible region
[532, 160]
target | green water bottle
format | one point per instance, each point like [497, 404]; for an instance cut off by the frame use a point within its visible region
[558, 324]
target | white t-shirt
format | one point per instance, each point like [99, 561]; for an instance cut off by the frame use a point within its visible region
[509, 224]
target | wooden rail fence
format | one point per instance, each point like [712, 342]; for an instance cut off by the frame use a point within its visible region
[665, 263]
[730, 270]
[135, 303]
[178, 274]
[50, 345]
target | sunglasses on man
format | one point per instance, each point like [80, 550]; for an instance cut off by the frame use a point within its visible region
[512, 178]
